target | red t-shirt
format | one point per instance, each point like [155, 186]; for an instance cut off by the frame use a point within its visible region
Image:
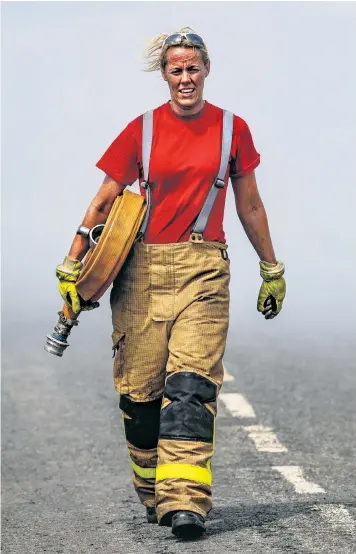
[185, 160]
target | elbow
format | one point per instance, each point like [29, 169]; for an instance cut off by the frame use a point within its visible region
[97, 207]
[101, 208]
[98, 210]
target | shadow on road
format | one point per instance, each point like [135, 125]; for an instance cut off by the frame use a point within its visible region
[230, 518]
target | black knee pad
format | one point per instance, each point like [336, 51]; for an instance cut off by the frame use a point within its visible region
[142, 429]
[186, 417]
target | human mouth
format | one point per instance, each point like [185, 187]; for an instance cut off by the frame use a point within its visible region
[186, 92]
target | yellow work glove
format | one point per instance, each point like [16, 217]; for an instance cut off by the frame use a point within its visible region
[273, 289]
[67, 274]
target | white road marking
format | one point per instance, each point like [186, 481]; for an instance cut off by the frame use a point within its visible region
[294, 474]
[227, 375]
[337, 516]
[264, 438]
[266, 441]
[237, 404]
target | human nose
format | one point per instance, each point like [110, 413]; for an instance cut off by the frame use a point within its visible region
[185, 76]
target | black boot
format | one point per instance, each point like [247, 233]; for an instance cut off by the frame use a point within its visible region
[151, 514]
[187, 525]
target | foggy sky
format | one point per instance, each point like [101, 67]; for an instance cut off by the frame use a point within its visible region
[72, 79]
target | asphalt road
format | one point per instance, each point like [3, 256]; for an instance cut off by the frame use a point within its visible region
[284, 469]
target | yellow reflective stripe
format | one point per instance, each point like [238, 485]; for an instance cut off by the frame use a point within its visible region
[184, 471]
[144, 472]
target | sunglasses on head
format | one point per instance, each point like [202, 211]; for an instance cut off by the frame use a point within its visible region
[178, 38]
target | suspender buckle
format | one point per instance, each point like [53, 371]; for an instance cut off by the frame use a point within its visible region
[145, 184]
[196, 237]
[219, 183]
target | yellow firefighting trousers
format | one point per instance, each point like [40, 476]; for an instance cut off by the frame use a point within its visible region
[170, 311]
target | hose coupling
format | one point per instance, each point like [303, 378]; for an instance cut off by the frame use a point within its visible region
[92, 234]
[56, 342]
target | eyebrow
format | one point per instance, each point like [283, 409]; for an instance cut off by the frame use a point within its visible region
[189, 66]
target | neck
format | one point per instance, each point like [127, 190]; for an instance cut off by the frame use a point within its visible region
[189, 110]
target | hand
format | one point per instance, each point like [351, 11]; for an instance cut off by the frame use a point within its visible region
[67, 274]
[272, 291]
[87, 305]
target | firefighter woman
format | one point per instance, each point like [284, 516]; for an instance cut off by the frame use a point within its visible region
[170, 301]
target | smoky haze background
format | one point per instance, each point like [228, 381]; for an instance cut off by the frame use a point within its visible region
[71, 81]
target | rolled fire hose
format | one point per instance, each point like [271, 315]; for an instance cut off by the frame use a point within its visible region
[109, 250]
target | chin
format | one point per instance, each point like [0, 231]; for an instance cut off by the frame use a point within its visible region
[187, 102]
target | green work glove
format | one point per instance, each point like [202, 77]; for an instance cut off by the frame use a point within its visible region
[67, 274]
[273, 289]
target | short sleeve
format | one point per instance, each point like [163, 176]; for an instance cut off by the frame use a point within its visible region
[120, 161]
[244, 157]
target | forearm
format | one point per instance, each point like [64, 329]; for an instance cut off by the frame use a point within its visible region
[255, 224]
[94, 216]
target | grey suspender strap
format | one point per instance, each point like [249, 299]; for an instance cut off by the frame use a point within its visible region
[219, 183]
[147, 131]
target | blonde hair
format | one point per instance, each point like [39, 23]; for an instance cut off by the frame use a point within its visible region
[156, 58]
